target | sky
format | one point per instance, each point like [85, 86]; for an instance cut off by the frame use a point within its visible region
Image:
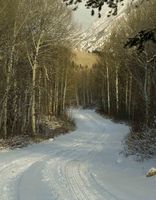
[83, 17]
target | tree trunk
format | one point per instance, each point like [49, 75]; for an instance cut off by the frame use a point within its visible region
[8, 85]
[126, 95]
[130, 96]
[108, 90]
[65, 89]
[34, 70]
[117, 88]
[147, 86]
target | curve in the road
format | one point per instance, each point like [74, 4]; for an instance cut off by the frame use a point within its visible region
[78, 166]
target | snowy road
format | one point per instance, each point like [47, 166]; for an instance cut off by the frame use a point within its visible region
[83, 165]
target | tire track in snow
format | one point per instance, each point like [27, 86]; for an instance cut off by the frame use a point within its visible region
[72, 171]
[64, 169]
[75, 180]
[30, 185]
[68, 171]
[104, 191]
[65, 178]
[10, 172]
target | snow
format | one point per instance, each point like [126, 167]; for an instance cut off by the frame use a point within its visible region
[151, 172]
[98, 32]
[94, 37]
[83, 165]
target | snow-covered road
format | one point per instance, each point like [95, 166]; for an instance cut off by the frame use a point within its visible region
[83, 165]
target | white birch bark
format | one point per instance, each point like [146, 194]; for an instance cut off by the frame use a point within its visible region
[117, 88]
[130, 96]
[34, 70]
[126, 95]
[108, 89]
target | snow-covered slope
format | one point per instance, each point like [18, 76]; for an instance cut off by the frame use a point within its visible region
[83, 165]
[94, 37]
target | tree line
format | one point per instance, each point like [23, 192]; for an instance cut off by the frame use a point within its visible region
[38, 77]
[34, 63]
[123, 83]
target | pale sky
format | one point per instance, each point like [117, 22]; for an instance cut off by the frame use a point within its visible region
[82, 16]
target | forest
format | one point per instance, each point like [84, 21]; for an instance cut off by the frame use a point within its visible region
[35, 63]
[123, 83]
[39, 78]
[77, 100]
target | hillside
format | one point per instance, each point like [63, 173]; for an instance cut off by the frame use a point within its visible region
[94, 37]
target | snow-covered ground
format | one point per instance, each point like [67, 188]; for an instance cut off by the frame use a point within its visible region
[83, 165]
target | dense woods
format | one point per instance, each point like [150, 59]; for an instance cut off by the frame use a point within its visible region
[34, 63]
[96, 82]
[40, 79]
[123, 83]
